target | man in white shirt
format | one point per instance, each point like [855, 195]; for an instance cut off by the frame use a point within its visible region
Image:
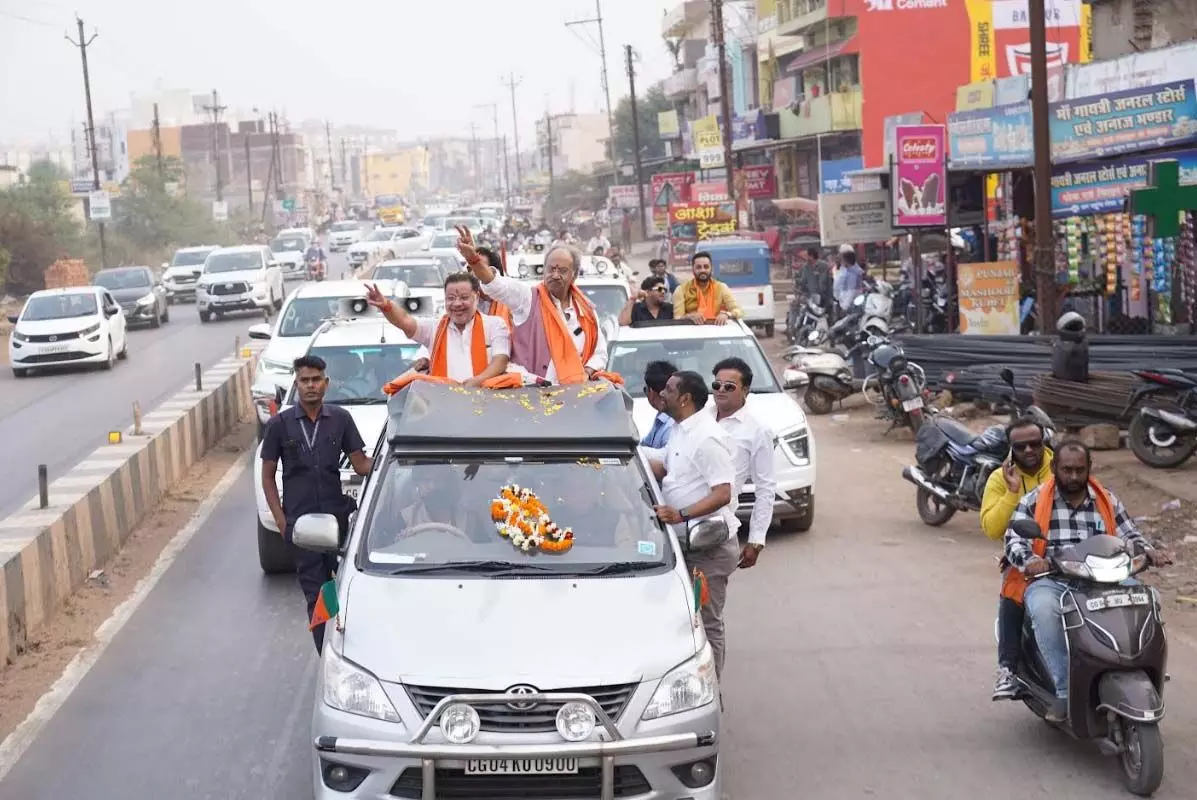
[698, 479]
[465, 345]
[556, 336]
[752, 449]
[598, 244]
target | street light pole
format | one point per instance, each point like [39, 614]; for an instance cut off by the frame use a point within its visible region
[720, 36]
[1045, 252]
[635, 141]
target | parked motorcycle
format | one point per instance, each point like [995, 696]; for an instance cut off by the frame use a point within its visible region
[1164, 434]
[895, 386]
[953, 463]
[1117, 656]
[806, 315]
[827, 375]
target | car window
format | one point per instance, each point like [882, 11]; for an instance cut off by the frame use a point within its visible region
[356, 374]
[233, 262]
[193, 258]
[59, 306]
[344, 226]
[604, 502]
[444, 241]
[130, 278]
[381, 235]
[289, 243]
[303, 315]
[608, 300]
[696, 355]
[416, 276]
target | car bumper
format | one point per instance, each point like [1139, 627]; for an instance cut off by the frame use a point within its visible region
[180, 291]
[252, 301]
[394, 760]
[75, 351]
[293, 269]
[795, 487]
[139, 315]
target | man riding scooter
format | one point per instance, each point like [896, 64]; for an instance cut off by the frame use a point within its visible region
[315, 262]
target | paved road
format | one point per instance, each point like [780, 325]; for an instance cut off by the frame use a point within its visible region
[860, 665]
[59, 418]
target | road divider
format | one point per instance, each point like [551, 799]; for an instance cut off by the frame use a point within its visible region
[78, 522]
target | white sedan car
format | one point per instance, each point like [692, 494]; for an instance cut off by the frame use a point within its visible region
[385, 243]
[343, 235]
[65, 327]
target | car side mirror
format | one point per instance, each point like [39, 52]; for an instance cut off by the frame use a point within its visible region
[707, 534]
[111, 312]
[1027, 528]
[319, 532]
[12, 319]
[793, 378]
[272, 264]
[259, 331]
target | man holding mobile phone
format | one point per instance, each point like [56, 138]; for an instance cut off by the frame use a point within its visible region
[1027, 466]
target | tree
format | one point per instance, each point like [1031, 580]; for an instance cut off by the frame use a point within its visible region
[648, 106]
[37, 226]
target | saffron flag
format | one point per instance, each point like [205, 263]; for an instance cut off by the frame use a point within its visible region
[702, 592]
[326, 605]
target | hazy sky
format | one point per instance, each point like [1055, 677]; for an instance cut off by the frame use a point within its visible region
[418, 67]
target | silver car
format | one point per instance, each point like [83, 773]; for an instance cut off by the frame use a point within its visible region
[546, 645]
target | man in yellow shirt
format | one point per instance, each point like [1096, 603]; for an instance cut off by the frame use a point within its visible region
[1028, 465]
[702, 299]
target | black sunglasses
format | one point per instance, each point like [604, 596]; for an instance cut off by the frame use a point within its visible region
[721, 386]
[1034, 445]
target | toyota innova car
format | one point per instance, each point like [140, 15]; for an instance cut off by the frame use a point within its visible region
[514, 620]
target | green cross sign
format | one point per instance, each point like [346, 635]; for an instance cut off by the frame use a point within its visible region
[1165, 198]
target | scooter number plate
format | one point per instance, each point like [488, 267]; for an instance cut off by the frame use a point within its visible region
[1117, 601]
[912, 404]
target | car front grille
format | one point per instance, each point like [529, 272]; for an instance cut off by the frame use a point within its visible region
[184, 278]
[42, 338]
[455, 784]
[54, 358]
[238, 287]
[500, 718]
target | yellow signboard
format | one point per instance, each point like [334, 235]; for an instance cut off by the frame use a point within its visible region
[988, 298]
[982, 49]
[667, 125]
[972, 96]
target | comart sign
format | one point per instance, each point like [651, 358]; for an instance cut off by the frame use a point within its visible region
[902, 5]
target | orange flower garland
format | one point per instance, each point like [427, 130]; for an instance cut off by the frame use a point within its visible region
[519, 516]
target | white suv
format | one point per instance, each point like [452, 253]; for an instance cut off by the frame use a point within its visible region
[243, 278]
[698, 348]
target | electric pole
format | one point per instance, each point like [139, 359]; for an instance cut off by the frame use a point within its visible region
[270, 173]
[249, 173]
[548, 122]
[332, 177]
[598, 20]
[216, 109]
[506, 170]
[474, 166]
[724, 99]
[635, 140]
[83, 44]
[158, 149]
[511, 83]
[344, 170]
[1044, 253]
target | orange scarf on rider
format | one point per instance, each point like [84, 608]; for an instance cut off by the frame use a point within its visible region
[567, 360]
[439, 366]
[710, 300]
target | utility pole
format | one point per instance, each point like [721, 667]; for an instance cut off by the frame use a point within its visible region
[475, 167]
[83, 44]
[249, 173]
[158, 150]
[511, 83]
[635, 139]
[724, 99]
[345, 170]
[598, 20]
[216, 109]
[270, 174]
[1045, 259]
[506, 170]
[548, 121]
[332, 178]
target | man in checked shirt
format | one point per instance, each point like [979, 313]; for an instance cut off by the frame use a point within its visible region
[1069, 507]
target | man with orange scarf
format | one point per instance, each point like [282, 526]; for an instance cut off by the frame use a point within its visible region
[702, 298]
[556, 336]
[464, 345]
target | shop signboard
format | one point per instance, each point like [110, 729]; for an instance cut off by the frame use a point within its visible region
[1087, 189]
[99, 206]
[833, 174]
[920, 180]
[626, 196]
[708, 141]
[665, 189]
[709, 191]
[667, 124]
[989, 300]
[997, 139]
[1129, 121]
[759, 181]
[855, 217]
[691, 223]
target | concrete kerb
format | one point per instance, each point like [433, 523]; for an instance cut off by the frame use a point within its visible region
[47, 554]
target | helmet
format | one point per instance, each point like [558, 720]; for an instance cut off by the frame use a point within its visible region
[847, 248]
[1071, 322]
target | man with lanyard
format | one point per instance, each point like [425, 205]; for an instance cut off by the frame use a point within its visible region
[702, 298]
[752, 449]
[556, 335]
[656, 377]
[310, 439]
[465, 345]
[1069, 507]
[698, 478]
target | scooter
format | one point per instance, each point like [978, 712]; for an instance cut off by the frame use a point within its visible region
[829, 377]
[1117, 657]
[806, 315]
[1164, 435]
[315, 269]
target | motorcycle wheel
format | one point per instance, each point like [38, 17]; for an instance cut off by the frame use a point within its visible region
[931, 511]
[1144, 442]
[1142, 758]
[817, 401]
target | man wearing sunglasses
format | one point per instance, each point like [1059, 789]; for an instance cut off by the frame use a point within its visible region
[647, 304]
[1028, 465]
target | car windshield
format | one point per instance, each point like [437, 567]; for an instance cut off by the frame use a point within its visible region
[357, 373]
[116, 279]
[416, 276]
[303, 315]
[430, 515]
[191, 258]
[59, 306]
[608, 300]
[344, 226]
[233, 262]
[283, 245]
[381, 235]
[450, 264]
[433, 221]
[697, 355]
[443, 241]
[469, 222]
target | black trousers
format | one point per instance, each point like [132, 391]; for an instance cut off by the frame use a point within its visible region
[314, 570]
[1010, 618]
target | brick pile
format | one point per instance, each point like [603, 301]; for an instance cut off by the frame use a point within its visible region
[67, 272]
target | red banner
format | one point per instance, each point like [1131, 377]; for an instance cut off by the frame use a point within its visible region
[760, 181]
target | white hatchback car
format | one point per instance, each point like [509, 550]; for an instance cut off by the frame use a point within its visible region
[385, 243]
[245, 278]
[341, 235]
[698, 348]
[65, 327]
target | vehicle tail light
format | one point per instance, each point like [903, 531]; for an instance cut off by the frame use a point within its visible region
[273, 407]
[760, 298]
[904, 379]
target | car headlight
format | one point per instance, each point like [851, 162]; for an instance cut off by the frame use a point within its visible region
[147, 300]
[277, 367]
[202, 287]
[796, 445]
[349, 688]
[19, 337]
[689, 686]
[88, 331]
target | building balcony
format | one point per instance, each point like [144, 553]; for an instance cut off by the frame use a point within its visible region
[837, 111]
[680, 19]
[795, 16]
[681, 84]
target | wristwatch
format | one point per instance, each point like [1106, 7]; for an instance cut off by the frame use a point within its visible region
[685, 517]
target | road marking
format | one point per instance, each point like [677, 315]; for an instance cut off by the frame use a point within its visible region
[25, 734]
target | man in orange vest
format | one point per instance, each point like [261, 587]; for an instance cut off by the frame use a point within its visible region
[1069, 507]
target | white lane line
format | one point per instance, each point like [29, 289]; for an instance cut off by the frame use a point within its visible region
[17, 742]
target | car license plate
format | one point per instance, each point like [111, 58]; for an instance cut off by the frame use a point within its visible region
[353, 490]
[53, 348]
[912, 404]
[522, 766]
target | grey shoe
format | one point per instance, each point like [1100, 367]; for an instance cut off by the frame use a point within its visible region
[1005, 687]
[1058, 711]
